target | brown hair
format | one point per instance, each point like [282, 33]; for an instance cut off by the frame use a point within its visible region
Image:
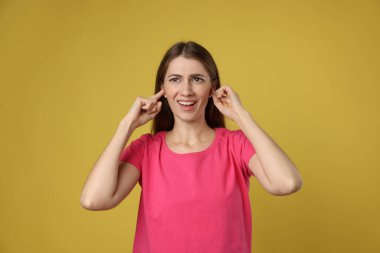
[164, 120]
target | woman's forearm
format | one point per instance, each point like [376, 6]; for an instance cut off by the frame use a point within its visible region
[280, 170]
[101, 182]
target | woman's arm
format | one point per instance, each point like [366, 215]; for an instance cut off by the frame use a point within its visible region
[101, 188]
[101, 183]
[280, 171]
[270, 164]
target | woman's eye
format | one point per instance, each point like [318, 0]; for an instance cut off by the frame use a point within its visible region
[175, 78]
[196, 79]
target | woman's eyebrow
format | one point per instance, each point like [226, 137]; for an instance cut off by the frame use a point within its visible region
[195, 74]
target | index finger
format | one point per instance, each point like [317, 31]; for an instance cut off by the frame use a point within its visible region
[158, 94]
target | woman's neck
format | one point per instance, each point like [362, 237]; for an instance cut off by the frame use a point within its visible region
[190, 132]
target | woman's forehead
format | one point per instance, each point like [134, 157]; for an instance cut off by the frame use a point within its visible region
[182, 65]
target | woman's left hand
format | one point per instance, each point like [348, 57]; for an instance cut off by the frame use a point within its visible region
[228, 102]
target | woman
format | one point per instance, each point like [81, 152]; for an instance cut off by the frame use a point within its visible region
[194, 173]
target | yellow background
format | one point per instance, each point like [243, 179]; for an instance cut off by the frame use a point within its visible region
[308, 71]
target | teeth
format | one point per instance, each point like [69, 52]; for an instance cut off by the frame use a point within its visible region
[186, 103]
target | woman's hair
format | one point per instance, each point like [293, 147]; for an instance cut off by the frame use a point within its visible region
[164, 120]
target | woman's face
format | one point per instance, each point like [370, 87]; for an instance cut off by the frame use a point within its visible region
[187, 88]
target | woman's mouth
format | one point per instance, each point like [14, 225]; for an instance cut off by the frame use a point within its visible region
[187, 105]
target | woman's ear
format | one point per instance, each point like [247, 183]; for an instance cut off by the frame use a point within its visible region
[211, 91]
[162, 86]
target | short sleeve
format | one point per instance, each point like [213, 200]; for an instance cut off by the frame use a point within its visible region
[134, 153]
[244, 149]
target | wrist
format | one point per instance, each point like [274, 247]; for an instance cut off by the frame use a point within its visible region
[244, 117]
[126, 124]
[241, 113]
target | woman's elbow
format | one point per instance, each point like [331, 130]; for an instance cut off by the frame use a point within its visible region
[295, 185]
[288, 189]
[86, 204]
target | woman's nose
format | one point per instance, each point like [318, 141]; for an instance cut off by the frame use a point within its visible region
[187, 89]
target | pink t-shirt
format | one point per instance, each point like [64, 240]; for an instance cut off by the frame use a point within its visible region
[193, 202]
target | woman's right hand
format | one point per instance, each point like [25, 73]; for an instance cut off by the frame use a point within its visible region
[144, 109]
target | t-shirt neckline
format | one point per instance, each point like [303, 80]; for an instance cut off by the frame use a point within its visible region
[198, 153]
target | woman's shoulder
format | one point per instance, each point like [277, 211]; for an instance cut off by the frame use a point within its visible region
[150, 138]
[232, 137]
[225, 132]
